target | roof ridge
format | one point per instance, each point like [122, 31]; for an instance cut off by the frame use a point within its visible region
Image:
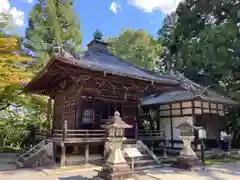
[131, 64]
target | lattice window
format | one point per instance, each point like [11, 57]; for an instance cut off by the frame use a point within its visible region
[87, 116]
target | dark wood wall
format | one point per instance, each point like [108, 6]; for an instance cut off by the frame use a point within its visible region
[79, 102]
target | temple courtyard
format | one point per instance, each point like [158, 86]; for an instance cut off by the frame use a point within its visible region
[215, 172]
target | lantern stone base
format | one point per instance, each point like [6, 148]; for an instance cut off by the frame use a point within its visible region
[115, 172]
[187, 158]
[187, 162]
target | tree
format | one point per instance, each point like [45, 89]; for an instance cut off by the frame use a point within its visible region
[52, 23]
[204, 39]
[12, 66]
[18, 111]
[137, 47]
[199, 41]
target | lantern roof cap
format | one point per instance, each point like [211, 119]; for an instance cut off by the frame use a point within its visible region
[117, 122]
[187, 126]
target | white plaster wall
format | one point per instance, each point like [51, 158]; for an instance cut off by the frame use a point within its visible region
[165, 125]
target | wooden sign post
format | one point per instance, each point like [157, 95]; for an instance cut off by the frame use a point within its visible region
[132, 153]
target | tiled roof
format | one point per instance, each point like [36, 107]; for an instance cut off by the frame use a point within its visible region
[183, 95]
[191, 91]
[102, 60]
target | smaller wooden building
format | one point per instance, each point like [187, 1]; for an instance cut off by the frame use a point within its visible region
[199, 106]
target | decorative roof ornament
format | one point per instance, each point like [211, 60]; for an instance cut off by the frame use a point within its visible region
[189, 85]
[98, 35]
[57, 49]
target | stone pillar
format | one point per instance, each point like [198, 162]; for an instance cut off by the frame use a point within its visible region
[187, 157]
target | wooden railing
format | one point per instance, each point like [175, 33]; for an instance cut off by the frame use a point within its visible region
[41, 132]
[67, 134]
[79, 133]
[148, 134]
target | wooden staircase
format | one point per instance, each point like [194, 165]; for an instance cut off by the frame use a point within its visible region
[148, 160]
[41, 154]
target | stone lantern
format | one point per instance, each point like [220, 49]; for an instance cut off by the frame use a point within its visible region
[115, 166]
[187, 157]
[116, 128]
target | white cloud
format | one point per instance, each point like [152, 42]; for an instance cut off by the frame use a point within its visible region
[115, 7]
[166, 6]
[28, 1]
[17, 15]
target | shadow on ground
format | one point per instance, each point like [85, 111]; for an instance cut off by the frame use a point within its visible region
[75, 178]
[217, 172]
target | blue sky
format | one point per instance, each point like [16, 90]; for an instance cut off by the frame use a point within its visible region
[110, 16]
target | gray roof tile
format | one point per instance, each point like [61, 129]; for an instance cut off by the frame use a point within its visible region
[183, 95]
[105, 61]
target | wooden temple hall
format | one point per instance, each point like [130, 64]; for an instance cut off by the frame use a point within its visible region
[86, 91]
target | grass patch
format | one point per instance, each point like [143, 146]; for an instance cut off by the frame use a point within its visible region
[211, 162]
[9, 149]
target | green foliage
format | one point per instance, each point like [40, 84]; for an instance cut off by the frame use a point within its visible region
[51, 23]
[19, 112]
[97, 34]
[203, 37]
[137, 47]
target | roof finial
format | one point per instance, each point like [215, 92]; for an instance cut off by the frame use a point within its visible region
[117, 114]
[97, 34]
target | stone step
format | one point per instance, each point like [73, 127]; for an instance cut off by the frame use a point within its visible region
[143, 157]
[146, 162]
[130, 141]
[19, 164]
[141, 168]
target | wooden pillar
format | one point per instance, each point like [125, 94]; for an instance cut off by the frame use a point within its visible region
[64, 130]
[137, 121]
[49, 112]
[94, 110]
[158, 119]
[54, 151]
[171, 123]
[195, 141]
[86, 153]
[219, 118]
[63, 154]
[63, 147]
[136, 131]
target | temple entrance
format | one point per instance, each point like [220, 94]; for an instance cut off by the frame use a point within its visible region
[95, 113]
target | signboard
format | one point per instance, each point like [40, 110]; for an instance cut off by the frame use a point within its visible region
[202, 134]
[132, 152]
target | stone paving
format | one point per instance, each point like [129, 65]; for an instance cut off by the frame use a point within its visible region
[217, 172]
[7, 161]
